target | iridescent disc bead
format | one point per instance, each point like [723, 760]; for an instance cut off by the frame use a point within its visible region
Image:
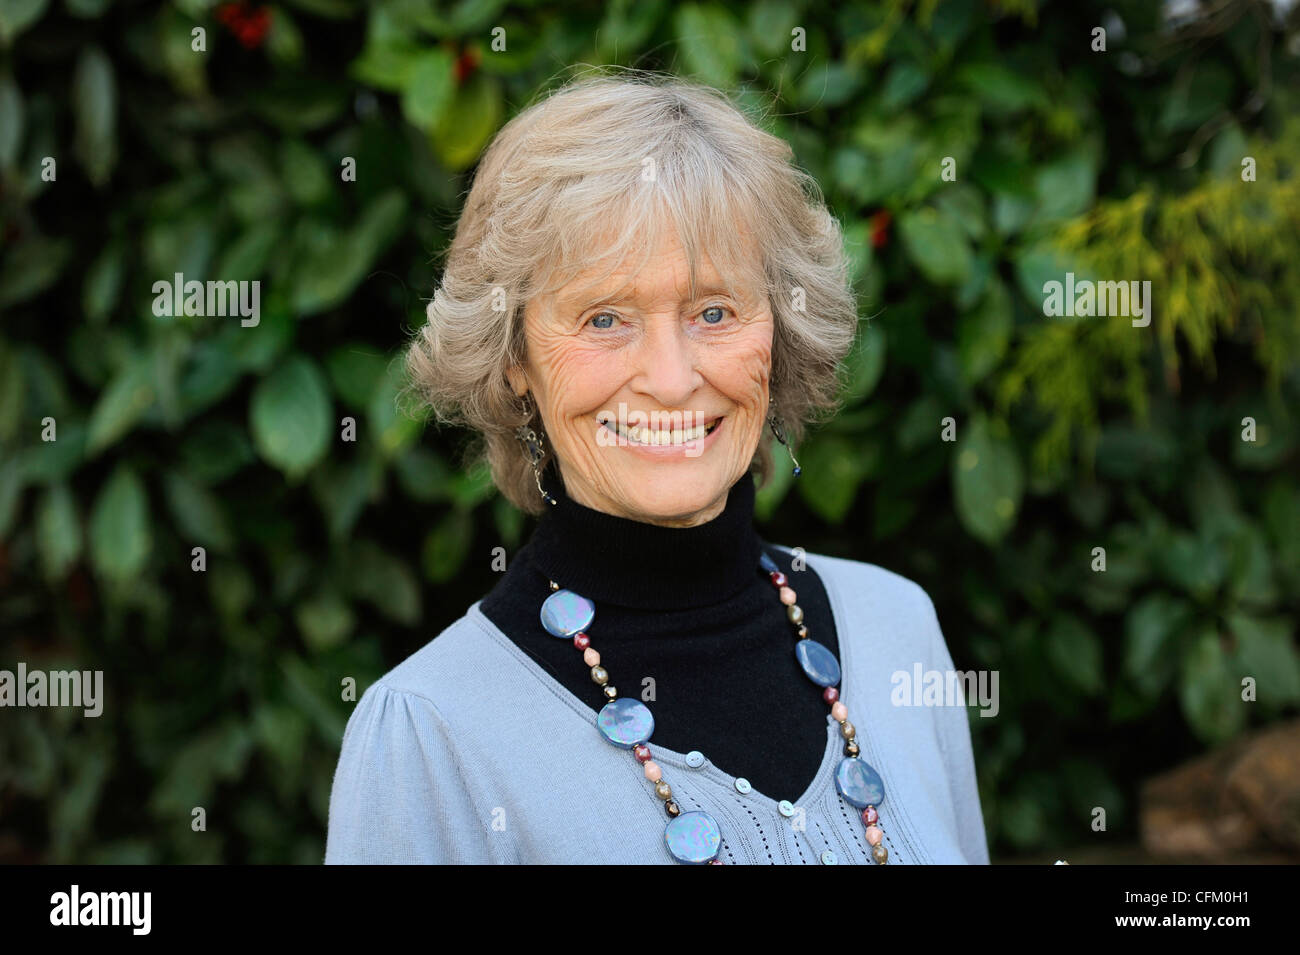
[693, 838]
[565, 613]
[818, 663]
[626, 722]
[859, 784]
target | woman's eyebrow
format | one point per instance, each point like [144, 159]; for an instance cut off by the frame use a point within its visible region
[580, 301]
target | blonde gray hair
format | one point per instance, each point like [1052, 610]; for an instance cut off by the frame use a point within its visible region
[660, 151]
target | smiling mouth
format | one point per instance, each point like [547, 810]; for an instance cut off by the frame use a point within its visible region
[658, 438]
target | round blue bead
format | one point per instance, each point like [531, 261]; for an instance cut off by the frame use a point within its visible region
[693, 837]
[818, 663]
[564, 613]
[626, 722]
[858, 783]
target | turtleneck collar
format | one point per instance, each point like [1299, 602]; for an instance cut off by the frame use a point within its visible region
[647, 566]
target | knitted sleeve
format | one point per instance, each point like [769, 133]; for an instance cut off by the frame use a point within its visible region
[398, 795]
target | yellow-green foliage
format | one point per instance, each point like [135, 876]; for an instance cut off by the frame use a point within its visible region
[1221, 258]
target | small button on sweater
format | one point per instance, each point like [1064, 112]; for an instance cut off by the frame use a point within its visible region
[482, 746]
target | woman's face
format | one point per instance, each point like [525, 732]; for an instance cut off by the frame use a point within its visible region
[652, 402]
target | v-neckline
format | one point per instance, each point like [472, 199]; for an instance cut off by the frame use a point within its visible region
[585, 712]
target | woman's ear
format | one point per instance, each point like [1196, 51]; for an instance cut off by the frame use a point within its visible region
[518, 380]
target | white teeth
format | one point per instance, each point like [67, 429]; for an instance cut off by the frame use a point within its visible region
[647, 436]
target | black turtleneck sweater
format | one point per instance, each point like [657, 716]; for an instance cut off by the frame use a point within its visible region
[689, 608]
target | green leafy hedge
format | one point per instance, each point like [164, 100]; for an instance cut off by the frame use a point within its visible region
[326, 560]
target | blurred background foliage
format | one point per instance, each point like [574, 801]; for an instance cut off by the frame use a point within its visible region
[329, 559]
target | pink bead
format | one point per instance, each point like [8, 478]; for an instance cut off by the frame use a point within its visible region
[787, 596]
[590, 657]
[830, 694]
[874, 835]
[839, 711]
[581, 641]
[653, 772]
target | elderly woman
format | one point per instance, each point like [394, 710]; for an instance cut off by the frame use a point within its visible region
[639, 284]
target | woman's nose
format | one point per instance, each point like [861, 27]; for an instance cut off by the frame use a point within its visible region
[667, 360]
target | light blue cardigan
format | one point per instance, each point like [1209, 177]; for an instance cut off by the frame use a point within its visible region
[468, 752]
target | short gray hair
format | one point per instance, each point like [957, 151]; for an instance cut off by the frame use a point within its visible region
[539, 212]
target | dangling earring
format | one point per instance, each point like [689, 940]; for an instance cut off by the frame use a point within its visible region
[534, 450]
[780, 436]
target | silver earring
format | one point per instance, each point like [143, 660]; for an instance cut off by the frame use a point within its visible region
[534, 450]
[779, 432]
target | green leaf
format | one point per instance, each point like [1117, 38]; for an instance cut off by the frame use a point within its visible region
[710, 43]
[987, 482]
[123, 403]
[831, 470]
[983, 335]
[385, 582]
[31, 266]
[334, 265]
[423, 475]
[936, 246]
[245, 259]
[1266, 650]
[1152, 629]
[119, 527]
[866, 362]
[291, 417]
[1075, 652]
[11, 121]
[94, 96]
[103, 282]
[215, 449]
[58, 531]
[355, 371]
[392, 422]
[325, 620]
[1197, 563]
[1002, 90]
[468, 123]
[430, 88]
[199, 515]
[446, 545]
[1208, 691]
[18, 15]
[52, 461]
[11, 489]
[304, 172]
[1066, 187]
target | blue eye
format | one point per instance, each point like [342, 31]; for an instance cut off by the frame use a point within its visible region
[597, 319]
[713, 308]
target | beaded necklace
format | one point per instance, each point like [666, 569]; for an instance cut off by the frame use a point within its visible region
[695, 837]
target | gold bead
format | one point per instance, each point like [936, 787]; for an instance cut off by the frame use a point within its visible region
[880, 854]
[847, 730]
[795, 613]
[554, 586]
[599, 675]
[663, 790]
[610, 693]
[851, 748]
[802, 632]
[672, 809]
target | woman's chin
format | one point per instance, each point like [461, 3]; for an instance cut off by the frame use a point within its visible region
[665, 498]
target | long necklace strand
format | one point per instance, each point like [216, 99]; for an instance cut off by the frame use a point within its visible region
[695, 837]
